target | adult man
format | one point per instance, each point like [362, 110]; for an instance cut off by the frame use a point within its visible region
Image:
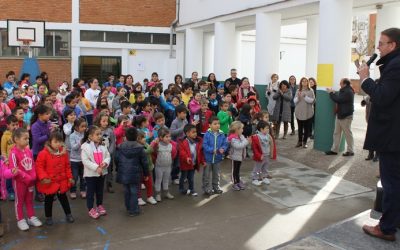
[383, 134]
[234, 79]
[344, 100]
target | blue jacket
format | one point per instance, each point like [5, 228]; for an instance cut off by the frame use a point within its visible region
[213, 142]
[131, 161]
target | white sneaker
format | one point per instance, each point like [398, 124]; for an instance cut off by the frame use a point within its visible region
[176, 181]
[143, 187]
[141, 202]
[266, 181]
[34, 221]
[158, 197]
[169, 195]
[22, 225]
[151, 200]
[256, 182]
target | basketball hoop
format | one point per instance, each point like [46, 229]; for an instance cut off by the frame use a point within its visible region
[26, 46]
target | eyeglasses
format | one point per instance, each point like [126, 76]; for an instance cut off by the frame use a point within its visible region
[382, 43]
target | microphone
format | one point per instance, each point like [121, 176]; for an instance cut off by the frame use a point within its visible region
[371, 59]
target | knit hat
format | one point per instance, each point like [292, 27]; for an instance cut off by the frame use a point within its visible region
[221, 86]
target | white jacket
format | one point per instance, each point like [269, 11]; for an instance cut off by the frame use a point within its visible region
[88, 161]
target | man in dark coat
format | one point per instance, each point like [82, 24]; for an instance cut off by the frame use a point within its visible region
[344, 100]
[234, 80]
[383, 134]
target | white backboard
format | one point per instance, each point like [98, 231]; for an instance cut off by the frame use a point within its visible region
[25, 30]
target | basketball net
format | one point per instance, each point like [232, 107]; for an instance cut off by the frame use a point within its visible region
[26, 46]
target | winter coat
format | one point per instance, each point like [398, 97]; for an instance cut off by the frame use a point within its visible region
[131, 162]
[225, 120]
[40, 133]
[284, 101]
[33, 100]
[184, 154]
[304, 106]
[88, 159]
[246, 120]
[237, 149]
[149, 151]
[194, 107]
[177, 128]
[75, 140]
[257, 148]
[203, 124]
[23, 161]
[384, 121]
[344, 100]
[55, 166]
[214, 142]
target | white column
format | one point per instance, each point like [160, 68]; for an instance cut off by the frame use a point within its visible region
[387, 17]
[335, 36]
[180, 52]
[75, 40]
[208, 54]
[224, 49]
[193, 52]
[267, 55]
[312, 47]
[125, 63]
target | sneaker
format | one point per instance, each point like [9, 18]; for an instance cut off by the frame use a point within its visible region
[83, 194]
[143, 187]
[101, 210]
[236, 187]
[49, 221]
[69, 218]
[256, 183]
[218, 191]
[141, 202]
[266, 181]
[176, 181]
[132, 214]
[22, 225]
[93, 213]
[11, 197]
[269, 176]
[151, 200]
[330, 153]
[241, 186]
[169, 195]
[191, 192]
[158, 197]
[34, 221]
[208, 192]
[72, 195]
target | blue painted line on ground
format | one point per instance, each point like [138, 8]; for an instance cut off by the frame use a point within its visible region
[11, 244]
[102, 230]
[107, 245]
[41, 237]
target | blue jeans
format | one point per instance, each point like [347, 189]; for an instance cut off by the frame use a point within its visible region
[389, 164]
[189, 174]
[10, 189]
[95, 186]
[77, 172]
[131, 198]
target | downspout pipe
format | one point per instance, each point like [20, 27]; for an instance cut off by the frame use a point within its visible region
[173, 26]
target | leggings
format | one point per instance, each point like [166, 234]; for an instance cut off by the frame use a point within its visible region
[236, 171]
[148, 184]
[94, 186]
[48, 204]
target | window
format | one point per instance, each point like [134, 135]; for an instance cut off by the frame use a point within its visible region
[116, 37]
[160, 38]
[135, 37]
[92, 36]
[126, 37]
[99, 66]
[57, 43]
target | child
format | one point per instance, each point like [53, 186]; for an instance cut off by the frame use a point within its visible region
[75, 139]
[62, 92]
[237, 152]
[245, 118]
[31, 97]
[6, 145]
[54, 176]
[164, 153]
[70, 103]
[41, 128]
[232, 106]
[18, 112]
[142, 124]
[204, 116]
[179, 123]
[103, 122]
[203, 89]
[220, 92]
[70, 117]
[213, 102]
[148, 112]
[131, 162]
[148, 183]
[159, 119]
[119, 131]
[120, 97]
[187, 93]
[126, 109]
[24, 104]
[255, 106]
[263, 147]
[225, 117]
[214, 147]
[95, 159]
[16, 93]
[4, 110]
[191, 158]
[194, 106]
[92, 94]
[22, 171]
[169, 109]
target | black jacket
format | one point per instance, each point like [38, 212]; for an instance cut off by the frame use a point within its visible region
[345, 101]
[131, 161]
[383, 131]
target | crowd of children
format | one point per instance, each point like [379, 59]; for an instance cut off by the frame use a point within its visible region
[81, 134]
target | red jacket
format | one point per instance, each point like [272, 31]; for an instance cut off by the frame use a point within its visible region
[53, 166]
[204, 125]
[257, 150]
[154, 145]
[184, 154]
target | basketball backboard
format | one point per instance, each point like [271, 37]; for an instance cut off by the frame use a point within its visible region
[20, 31]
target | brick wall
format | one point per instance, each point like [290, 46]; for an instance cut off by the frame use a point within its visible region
[58, 69]
[47, 10]
[128, 12]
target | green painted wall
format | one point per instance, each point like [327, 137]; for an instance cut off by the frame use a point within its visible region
[261, 92]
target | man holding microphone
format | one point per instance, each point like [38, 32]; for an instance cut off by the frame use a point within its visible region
[383, 133]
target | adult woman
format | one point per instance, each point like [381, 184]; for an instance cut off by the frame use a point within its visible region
[244, 90]
[271, 89]
[178, 82]
[281, 112]
[212, 81]
[313, 86]
[293, 88]
[128, 85]
[304, 100]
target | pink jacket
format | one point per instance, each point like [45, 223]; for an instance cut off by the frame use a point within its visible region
[4, 111]
[194, 107]
[23, 161]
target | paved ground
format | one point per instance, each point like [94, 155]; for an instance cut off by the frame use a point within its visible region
[303, 198]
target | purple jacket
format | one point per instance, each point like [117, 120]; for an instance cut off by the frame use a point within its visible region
[40, 133]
